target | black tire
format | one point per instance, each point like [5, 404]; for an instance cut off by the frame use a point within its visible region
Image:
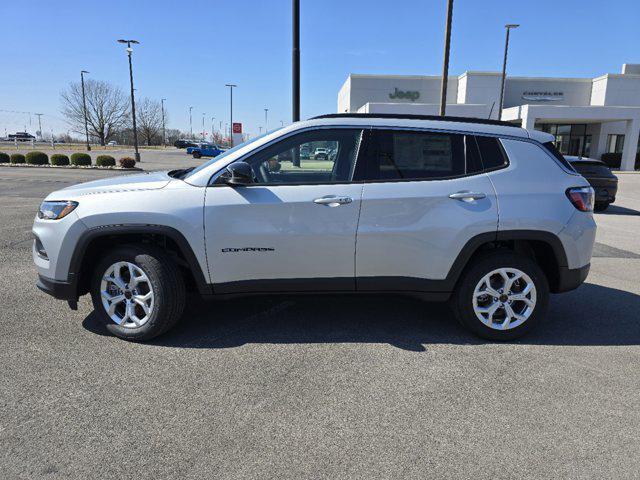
[197, 155]
[165, 279]
[601, 206]
[462, 298]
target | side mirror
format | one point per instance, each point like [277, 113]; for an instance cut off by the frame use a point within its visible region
[239, 173]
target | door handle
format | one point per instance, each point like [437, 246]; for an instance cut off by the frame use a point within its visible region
[333, 201]
[468, 196]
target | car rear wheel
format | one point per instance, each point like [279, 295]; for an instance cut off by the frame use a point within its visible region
[501, 296]
[197, 155]
[138, 292]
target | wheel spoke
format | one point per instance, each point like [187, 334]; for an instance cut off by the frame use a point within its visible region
[509, 285]
[139, 300]
[508, 315]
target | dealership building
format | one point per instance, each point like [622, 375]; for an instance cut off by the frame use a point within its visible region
[587, 116]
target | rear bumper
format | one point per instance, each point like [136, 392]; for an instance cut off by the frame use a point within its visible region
[57, 288]
[605, 189]
[571, 278]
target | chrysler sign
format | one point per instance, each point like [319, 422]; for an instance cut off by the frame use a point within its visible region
[544, 96]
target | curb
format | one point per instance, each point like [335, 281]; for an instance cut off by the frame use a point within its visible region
[70, 167]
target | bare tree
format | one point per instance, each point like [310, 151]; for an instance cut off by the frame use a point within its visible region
[149, 116]
[107, 108]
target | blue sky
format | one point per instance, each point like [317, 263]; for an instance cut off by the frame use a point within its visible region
[190, 49]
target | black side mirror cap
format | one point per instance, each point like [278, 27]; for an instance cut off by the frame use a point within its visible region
[240, 173]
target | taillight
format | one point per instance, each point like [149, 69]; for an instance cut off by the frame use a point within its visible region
[582, 198]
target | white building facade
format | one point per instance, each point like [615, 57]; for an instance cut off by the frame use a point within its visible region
[588, 116]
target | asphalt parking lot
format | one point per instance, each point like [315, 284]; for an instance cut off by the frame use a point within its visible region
[318, 387]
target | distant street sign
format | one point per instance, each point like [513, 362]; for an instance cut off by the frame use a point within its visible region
[237, 127]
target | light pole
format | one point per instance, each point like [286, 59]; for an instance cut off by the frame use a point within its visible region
[164, 135]
[295, 60]
[445, 63]
[508, 27]
[231, 87]
[213, 127]
[190, 123]
[203, 126]
[133, 101]
[84, 108]
[266, 111]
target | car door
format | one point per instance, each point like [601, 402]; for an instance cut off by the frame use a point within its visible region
[294, 228]
[424, 198]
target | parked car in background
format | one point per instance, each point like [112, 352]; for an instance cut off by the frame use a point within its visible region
[183, 143]
[204, 150]
[321, 154]
[21, 137]
[599, 176]
[112, 143]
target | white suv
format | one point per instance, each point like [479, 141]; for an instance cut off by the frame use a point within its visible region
[481, 213]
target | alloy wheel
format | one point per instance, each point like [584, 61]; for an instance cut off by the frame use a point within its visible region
[504, 298]
[127, 295]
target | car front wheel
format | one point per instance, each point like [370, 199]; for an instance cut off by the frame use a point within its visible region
[501, 296]
[138, 292]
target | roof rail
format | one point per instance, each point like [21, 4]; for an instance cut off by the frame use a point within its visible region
[409, 116]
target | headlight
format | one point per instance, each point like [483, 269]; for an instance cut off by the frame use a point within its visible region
[56, 210]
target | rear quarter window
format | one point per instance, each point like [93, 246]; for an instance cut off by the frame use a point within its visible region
[551, 148]
[492, 154]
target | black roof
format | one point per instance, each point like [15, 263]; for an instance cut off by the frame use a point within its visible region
[409, 116]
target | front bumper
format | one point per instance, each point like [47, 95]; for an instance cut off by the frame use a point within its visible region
[57, 288]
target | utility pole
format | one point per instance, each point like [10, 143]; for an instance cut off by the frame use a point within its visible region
[445, 64]
[508, 27]
[231, 87]
[213, 128]
[164, 134]
[84, 107]
[39, 115]
[295, 72]
[266, 111]
[203, 126]
[190, 123]
[133, 101]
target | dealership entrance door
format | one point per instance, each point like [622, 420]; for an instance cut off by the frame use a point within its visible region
[570, 139]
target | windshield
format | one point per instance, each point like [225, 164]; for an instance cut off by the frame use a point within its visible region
[223, 155]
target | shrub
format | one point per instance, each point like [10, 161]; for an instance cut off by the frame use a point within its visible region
[614, 160]
[17, 158]
[37, 158]
[81, 159]
[127, 162]
[4, 157]
[105, 161]
[59, 159]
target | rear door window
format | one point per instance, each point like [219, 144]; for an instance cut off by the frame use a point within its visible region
[409, 155]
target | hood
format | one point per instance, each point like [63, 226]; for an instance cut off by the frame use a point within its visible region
[126, 183]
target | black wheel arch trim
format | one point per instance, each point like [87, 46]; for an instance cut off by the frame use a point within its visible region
[94, 233]
[500, 236]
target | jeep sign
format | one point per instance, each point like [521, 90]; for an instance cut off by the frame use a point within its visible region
[411, 95]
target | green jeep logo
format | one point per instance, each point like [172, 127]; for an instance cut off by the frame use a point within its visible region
[411, 95]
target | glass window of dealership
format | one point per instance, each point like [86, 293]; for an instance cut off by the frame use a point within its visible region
[587, 116]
